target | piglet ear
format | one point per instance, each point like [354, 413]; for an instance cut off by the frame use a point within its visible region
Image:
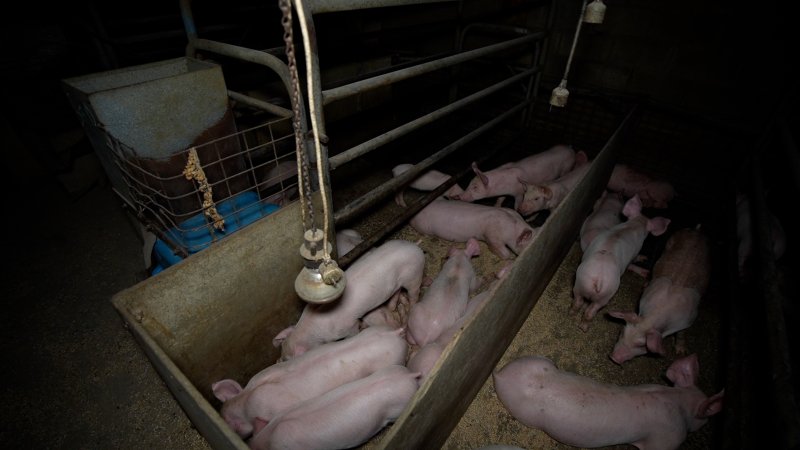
[657, 225]
[654, 341]
[711, 405]
[280, 337]
[226, 389]
[524, 236]
[683, 372]
[633, 207]
[484, 179]
[547, 192]
[259, 423]
[581, 158]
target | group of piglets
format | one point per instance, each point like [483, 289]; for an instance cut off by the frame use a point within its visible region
[342, 373]
[348, 368]
[567, 406]
[537, 182]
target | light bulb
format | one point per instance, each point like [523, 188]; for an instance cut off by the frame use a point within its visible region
[595, 12]
[560, 95]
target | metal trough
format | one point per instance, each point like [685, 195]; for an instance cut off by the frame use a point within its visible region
[214, 314]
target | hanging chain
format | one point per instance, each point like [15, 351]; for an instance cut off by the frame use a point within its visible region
[302, 158]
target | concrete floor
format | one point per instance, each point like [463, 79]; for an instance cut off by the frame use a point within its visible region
[73, 375]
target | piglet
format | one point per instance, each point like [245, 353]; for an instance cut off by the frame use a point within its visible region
[505, 179]
[579, 411]
[282, 386]
[346, 240]
[606, 214]
[344, 417]
[629, 182]
[423, 359]
[669, 303]
[446, 298]
[550, 194]
[428, 181]
[503, 229]
[281, 177]
[608, 256]
[374, 278]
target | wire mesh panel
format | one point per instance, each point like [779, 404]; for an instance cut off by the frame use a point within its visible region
[205, 192]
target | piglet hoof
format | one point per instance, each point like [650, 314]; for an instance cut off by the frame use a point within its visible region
[583, 325]
[641, 271]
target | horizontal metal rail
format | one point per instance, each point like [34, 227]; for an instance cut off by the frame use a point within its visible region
[326, 6]
[372, 144]
[260, 104]
[331, 95]
[413, 209]
[245, 54]
[353, 209]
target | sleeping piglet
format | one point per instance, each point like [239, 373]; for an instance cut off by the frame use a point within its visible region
[503, 229]
[608, 256]
[428, 181]
[283, 385]
[344, 417]
[346, 240]
[446, 298]
[582, 412]
[281, 177]
[424, 358]
[669, 303]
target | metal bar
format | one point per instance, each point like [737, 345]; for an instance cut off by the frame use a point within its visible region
[338, 93]
[494, 28]
[353, 209]
[326, 6]
[257, 57]
[260, 104]
[245, 54]
[363, 76]
[412, 210]
[317, 112]
[372, 144]
[188, 19]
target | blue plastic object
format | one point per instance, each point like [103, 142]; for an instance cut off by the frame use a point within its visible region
[196, 233]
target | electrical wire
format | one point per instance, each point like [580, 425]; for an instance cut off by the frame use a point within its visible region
[301, 14]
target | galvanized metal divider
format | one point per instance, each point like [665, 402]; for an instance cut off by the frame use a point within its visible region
[321, 97]
[470, 357]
